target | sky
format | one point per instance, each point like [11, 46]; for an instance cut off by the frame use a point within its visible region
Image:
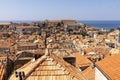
[59, 9]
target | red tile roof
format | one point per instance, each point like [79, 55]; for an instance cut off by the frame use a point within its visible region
[5, 44]
[26, 44]
[50, 68]
[110, 66]
[55, 21]
[2, 71]
[2, 68]
[26, 27]
[89, 73]
[81, 60]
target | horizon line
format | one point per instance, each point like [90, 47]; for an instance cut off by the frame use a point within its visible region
[59, 19]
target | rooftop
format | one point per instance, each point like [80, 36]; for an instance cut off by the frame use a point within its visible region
[24, 27]
[50, 68]
[5, 23]
[81, 60]
[55, 21]
[2, 71]
[110, 66]
[89, 73]
[2, 68]
[26, 44]
[5, 44]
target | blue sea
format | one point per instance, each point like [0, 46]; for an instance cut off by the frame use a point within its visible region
[102, 24]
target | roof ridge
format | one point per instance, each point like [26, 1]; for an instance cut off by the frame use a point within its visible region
[32, 65]
[39, 61]
[73, 71]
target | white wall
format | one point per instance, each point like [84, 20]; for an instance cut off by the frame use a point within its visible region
[117, 37]
[99, 75]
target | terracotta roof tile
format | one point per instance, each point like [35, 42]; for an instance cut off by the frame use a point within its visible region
[110, 66]
[101, 37]
[26, 44]
[2, 68]
[2, 71]
[89, 73]
[87, 50]
[81, 60]
[5, 44]
[55, 21]
[24, 27]
[50, 68]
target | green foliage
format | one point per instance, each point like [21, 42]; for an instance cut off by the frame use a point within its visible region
[84, 34]
[100, 33]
